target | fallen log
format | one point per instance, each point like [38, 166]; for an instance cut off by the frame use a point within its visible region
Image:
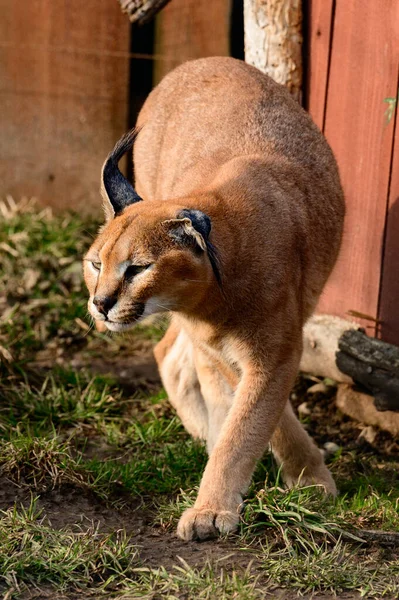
[341, 350]
[372, 537]
[320, 345]
[370, 350]
[382, 538]
[373, 365]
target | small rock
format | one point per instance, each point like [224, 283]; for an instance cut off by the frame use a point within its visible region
[304, 410]
[4, 353]
[317, 388]
[65, 260]
[101, 326]
[331, 447]
[30, 279]
[20, 236]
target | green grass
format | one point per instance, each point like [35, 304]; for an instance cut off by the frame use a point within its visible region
[158, 459]
[63, 428]
[319, 547]
[206, 583]
[40, 266]
[39, 462]
[32, 552]
[333, 568]
[63, 399]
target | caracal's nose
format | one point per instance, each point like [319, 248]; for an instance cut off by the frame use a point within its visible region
[104, 303]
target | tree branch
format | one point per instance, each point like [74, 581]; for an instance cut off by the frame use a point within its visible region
[142, 11]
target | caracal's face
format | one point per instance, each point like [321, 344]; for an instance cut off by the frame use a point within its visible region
[144, 262]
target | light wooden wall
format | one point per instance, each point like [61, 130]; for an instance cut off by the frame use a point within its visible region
[188, 29]
[63, 97]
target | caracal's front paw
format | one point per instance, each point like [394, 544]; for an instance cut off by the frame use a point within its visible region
[205, 523]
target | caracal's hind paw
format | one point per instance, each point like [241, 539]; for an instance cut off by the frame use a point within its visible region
[320, 477]
[205, 524]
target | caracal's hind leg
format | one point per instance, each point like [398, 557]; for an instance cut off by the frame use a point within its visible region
[299, 456]
[175, 357]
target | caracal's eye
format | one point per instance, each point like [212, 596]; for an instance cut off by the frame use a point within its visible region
[134, 270]
[96, 265]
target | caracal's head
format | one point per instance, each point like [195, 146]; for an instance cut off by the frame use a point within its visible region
[149, 257]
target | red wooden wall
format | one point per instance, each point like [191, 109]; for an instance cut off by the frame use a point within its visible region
[352, 93]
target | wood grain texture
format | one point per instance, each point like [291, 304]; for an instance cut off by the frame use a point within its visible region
[319, 18]
[63, 97]
[187, 29]
[363, 73]
[389, 298]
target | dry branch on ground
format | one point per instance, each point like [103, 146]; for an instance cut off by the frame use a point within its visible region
[142, 11]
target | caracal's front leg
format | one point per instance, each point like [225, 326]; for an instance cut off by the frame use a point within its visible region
[257, 408]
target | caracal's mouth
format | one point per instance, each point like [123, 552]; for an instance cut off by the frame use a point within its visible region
[116, 327]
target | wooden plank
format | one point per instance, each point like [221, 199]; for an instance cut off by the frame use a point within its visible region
[188, 29]
[363, 73]
[63, 97]
[319, 19]
[389, 299]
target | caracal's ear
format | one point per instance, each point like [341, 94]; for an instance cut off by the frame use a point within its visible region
[116, 190]
[192, 228]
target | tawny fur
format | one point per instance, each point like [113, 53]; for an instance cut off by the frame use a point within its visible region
[220, 137]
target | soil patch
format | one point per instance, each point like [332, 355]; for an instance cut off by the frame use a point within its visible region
[325, 423]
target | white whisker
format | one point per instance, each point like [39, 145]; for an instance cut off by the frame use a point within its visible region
[163, 307]
[90, 329]
[196, 280]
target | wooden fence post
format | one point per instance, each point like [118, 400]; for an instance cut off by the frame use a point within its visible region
[273, 40]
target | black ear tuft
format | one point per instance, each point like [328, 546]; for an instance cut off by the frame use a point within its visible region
[117, 191]
[201, 222]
